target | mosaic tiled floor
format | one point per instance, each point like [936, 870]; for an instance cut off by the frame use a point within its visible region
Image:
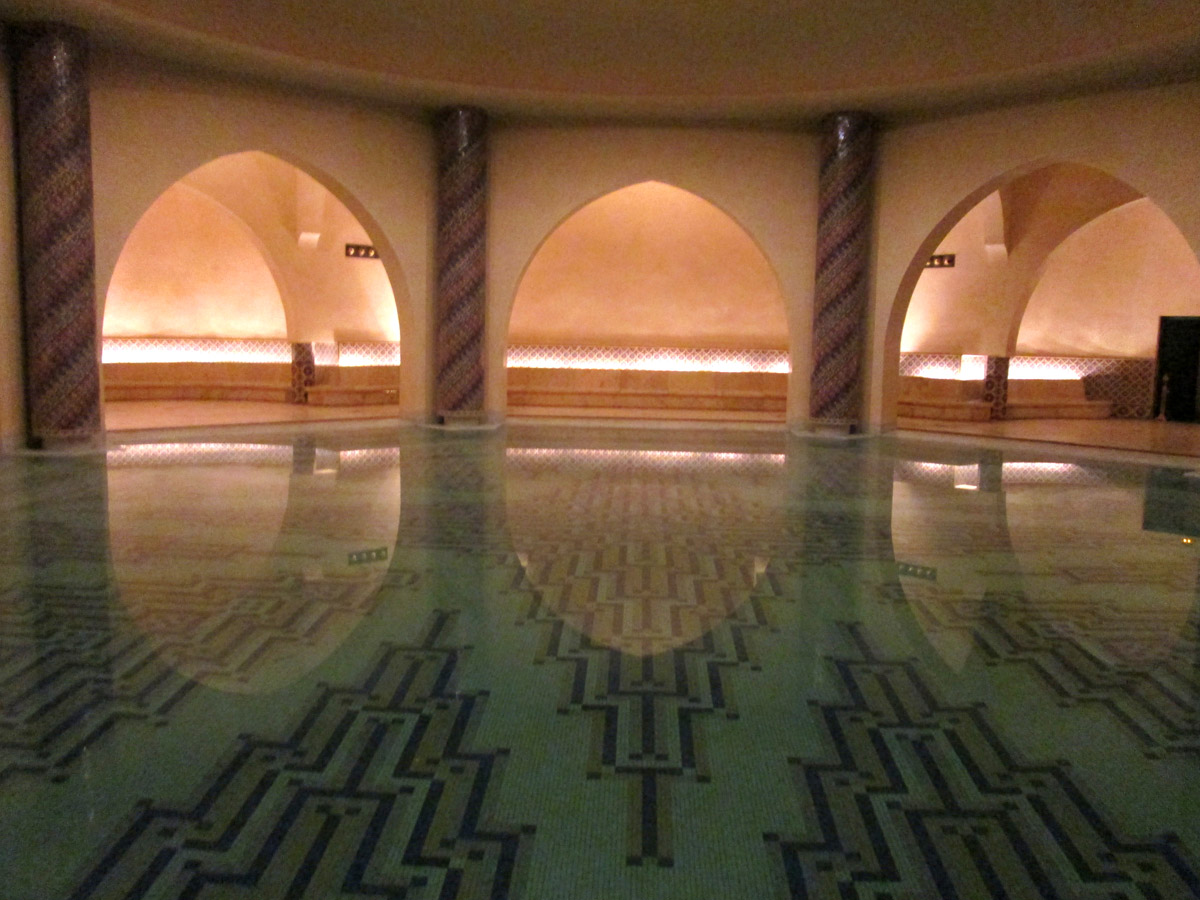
[557, 663]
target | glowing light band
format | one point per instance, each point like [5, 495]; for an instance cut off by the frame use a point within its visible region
[1048, 368]
[648, 359]
[247, 350]
[202, 350]
[973, 367]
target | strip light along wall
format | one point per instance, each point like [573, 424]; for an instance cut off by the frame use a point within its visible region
[648, 359]
[970, 367]
[940, 261]
[973, 367]
[249, 350]
[206, 350]
[361, 251]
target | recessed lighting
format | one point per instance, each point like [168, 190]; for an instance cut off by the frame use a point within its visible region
[361, 251]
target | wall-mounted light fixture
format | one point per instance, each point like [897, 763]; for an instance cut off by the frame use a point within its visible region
[940, 261]
[361, 251]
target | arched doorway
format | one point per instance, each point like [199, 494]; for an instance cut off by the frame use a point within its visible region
[1042, 301]
[249, 292]
[649, 302]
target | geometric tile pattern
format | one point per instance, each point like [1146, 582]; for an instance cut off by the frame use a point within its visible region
[914, 797]
[843, 247]
[461, 262]
[198, 349]
[66, 681]
[1136, 666]
[58, 259]
[304, 371]
[375, 791]
[257, 350]
[647, 359]
[1128, 384]
[368, 353]
[646, 620]
[917, 363]
[995, 386]
[65, 687]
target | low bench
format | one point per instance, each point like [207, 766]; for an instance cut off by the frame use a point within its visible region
[947, 399]
[271, 382]
[733, 392]
[355, 386]
[198, 381]
[1045, 398]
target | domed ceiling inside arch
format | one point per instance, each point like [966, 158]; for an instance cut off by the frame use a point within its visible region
[690, 57]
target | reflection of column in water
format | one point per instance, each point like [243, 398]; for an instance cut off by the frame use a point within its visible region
[57, 625]
[465, 516]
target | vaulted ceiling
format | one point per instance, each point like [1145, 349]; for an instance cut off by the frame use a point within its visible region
[701, 59]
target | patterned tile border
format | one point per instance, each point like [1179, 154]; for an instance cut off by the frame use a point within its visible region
[1126, 383]
[246, 350]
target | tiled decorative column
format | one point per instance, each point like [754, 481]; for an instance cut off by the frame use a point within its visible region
[461, 262]
[304, 371]
[995, 386]
[58, 259]
[843, 253]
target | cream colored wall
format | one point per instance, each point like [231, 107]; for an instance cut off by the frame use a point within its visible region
[541, 174]
[327, 295]
[961, 310]
[191, 268]
[930, 173]
[152, 125]
[12, 404]
[1104, 288]
[650, 266]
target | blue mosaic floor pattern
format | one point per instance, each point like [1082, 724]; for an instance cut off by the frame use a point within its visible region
[549, 663]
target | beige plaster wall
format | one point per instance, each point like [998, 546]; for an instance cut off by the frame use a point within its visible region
[12, 406]
[764, 180]
[152, 125]
[191, 268]
[327, 295]
[961, 309]
[930, 173]
[650, 266]
[1104, 288]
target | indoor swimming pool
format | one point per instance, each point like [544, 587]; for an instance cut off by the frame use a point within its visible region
[547, 662]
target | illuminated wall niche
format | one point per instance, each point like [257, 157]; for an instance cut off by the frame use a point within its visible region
[655, 280]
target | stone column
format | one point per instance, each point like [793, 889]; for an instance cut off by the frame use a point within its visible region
[461, 262]
[995, 386]
[58, 259]
[843, 255]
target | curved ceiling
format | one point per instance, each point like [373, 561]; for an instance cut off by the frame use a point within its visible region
[780, 58]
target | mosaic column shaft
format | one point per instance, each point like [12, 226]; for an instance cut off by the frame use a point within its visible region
[995, 386]
[304, 371]
[461, 260]
[843, 255]
[58, 259]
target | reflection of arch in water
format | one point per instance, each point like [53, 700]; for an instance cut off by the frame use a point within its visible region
[643, 552]
[266, 560]
[950, 541]
[985, 567]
